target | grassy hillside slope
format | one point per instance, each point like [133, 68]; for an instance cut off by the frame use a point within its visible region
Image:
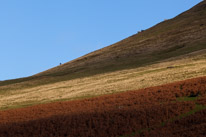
[172, 50]
[184, 34]
[174, 69]
[176, 109]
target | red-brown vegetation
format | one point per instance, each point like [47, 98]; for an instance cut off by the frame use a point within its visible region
[112, 115]
[191, 126]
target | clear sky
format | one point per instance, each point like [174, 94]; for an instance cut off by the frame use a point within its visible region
[36, 35]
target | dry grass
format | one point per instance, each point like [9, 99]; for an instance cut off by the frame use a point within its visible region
[174, 69]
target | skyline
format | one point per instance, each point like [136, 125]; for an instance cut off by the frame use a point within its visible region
[36, 36]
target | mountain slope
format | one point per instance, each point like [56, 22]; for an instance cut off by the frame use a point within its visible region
[175, 69]
[172, 50]
[170, 108]
[184, 34]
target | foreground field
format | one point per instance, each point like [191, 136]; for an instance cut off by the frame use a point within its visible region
[156, 111]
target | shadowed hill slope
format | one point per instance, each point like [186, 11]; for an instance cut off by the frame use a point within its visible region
[184, 34]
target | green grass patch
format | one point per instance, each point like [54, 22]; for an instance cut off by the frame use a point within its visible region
[197, 108]
[187, 98]
[20, 105]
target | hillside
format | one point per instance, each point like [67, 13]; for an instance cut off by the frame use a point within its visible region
[170, 51]
[181, 35]
[159, 111]
[184, 34]
[152, 84]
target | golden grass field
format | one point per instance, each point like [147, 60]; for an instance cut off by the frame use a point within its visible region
[173, 69]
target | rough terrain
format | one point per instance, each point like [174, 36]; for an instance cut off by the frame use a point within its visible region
[132, 113]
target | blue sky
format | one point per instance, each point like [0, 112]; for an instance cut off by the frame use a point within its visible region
[36, 35]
